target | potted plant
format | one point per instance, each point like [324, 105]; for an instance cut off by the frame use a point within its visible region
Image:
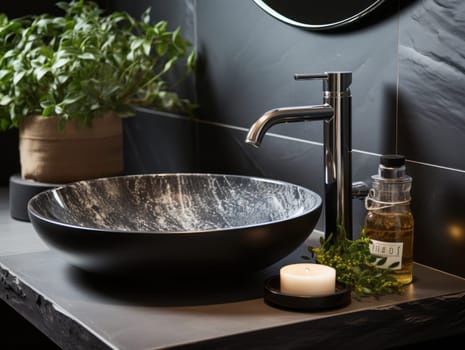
[72, 78]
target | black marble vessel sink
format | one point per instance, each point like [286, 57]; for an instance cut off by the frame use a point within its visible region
[193, 223]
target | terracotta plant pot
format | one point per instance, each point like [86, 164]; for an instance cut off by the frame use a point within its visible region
[51, 155]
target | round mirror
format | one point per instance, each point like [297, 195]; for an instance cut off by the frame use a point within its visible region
[318, 14]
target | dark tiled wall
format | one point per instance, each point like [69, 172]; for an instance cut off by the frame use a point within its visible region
[408, 80]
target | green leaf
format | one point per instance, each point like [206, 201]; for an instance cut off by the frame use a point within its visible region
[87, 56]
[160, 27]
[146, 16]
[4, 73]
[17, 76]
[147, 46]
[169, 64]
[5, 100]
[58, 109]
[48, 110]
[191, 61]
[381, 261]
[162, 49]
[40, 72]
[136, 43]
[60, 63]
[73, 99]
[394, 265]
[10, 54]
[61, 79]
[12, 111]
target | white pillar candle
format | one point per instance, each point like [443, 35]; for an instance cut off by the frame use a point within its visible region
[308, 279]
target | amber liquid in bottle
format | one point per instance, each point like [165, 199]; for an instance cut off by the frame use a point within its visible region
[392, 235]
[389, 221]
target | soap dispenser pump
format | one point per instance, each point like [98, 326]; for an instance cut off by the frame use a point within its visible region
[389, 221]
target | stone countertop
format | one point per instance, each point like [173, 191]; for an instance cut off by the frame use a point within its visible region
[82, 311]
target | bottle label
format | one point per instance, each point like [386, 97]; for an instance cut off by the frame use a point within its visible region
[391, 251]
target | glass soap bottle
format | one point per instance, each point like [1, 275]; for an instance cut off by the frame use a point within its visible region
[389, 222]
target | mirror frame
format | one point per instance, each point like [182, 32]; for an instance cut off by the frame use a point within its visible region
[264, 6]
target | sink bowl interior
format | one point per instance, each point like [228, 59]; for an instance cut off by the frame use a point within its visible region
[168, 222]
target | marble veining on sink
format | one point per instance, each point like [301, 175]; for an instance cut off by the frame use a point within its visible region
[175, 203]
[202, 221]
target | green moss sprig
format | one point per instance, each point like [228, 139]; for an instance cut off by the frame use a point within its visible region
[355, 266]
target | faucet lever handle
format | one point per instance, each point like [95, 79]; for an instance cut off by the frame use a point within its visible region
[323, 76]
[332, 81]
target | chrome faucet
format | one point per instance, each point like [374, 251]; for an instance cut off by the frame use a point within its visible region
[335, 112]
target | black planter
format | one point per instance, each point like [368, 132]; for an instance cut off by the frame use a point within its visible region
[20, 191]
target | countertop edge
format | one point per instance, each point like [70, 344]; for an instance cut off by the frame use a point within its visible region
[383, 327]
[387, 327]
[46, 315]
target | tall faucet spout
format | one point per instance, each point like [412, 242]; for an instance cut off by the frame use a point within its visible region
[336, 114]
[286, 115]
